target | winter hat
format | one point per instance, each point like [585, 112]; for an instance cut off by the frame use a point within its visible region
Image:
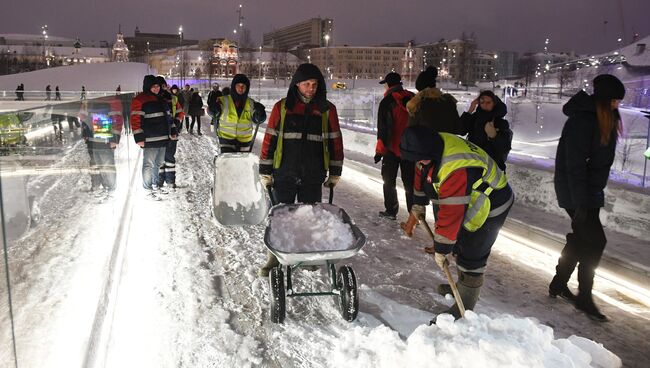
[392, 79]
[420, 143]
[148, 82]
[303, 73]
[608, 87]
[161, 80]
[427, 78]
[239, 78]
[174, 87]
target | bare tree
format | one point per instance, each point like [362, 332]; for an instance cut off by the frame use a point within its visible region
[565, 77]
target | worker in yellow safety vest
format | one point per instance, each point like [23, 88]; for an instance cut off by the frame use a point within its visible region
[236, 114]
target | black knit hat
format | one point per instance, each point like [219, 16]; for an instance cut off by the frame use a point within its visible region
[148, 82]
[608, 87]
[420, 143]
[303, 73]
[392, 79]
[427, 78]
[174, 87]
[161, 80]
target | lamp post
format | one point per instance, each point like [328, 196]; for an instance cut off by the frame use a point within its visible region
[180, 47]
[44, 31]
[327, 42]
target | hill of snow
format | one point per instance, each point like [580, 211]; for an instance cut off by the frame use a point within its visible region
[96, 77]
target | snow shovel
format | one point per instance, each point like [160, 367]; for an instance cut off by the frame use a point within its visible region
[450, 279]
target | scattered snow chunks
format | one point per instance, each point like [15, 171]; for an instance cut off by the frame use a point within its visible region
[475, 341]
[238, 183]
[309, 228]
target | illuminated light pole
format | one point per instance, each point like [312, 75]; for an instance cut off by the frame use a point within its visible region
[260, 63]
[327, 68]
[180, 44]
[240, 24]
[45, 36]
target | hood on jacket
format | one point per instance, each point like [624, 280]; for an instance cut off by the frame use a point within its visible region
[239, 78]
[148, 82]
[428, 93]
[499, 111]
[581, 102]
[303, 73]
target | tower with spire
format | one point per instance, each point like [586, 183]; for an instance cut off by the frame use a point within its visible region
[120, 49]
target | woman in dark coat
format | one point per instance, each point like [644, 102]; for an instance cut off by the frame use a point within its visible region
[485, 126]
[196, 111]
[584, 157]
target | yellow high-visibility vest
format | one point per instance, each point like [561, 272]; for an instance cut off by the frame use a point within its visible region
[277, 156]
[457, 154]
[232, 126]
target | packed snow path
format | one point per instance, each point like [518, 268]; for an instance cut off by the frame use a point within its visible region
[188, 294]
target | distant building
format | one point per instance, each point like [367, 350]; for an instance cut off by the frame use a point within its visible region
[142, 43]
[453, 58]
[311, 32]
[120, 50]
[368, 62]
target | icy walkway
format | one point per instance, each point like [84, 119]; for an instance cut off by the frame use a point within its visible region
[188, 292]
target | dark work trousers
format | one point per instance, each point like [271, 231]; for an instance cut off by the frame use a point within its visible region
[472, 249]
[389, 166]
[286, 190]
[233, 145]
[584, 247]
[187, 122]
[95, 177]
[167, 172]
[198, 121]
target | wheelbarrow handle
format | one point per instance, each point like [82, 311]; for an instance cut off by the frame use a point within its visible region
[272, 197]
[257, 127]
[450, 279]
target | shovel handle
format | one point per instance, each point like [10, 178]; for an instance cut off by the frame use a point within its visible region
[257, 127]
[450, 279]
[331, 197]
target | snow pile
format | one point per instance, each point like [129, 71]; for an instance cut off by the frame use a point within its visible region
[309, 228]
[236, 182]
[477, 340]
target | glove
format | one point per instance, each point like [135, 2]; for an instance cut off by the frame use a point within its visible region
[378, 157]
[441, 260]
[490, 130]
[259, 113]
[419, 211]
[332, 180]
[267, 180]
[580, 215]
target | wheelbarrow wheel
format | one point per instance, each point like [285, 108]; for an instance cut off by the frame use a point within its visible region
[346, 282]
[276, 281]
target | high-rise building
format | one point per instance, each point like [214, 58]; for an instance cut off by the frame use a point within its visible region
[311, 32]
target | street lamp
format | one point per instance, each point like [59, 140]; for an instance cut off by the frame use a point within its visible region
[180, 44]
[327, 42]
[44, 31]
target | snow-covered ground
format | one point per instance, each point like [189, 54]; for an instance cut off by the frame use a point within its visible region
[185, 291]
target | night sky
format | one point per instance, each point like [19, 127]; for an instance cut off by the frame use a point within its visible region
[517, 25]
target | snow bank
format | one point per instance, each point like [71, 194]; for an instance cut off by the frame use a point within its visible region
[309, 228]
[476, 341]
[238, 183]
[95, 77]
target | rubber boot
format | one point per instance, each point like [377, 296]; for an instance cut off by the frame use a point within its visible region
[271, 261]
[469, 288]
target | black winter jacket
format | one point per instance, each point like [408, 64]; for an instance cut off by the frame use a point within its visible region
[582, 163]
[474, 126]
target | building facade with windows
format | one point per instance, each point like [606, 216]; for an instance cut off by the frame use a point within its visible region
[311, 32]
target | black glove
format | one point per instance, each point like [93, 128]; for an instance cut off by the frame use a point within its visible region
[580, 215]
[378, 157]
[259, 113]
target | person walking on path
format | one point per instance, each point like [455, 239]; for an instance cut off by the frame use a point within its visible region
[585, 154]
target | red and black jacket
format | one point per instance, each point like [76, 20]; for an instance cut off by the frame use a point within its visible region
[302, 147]
[151, 120]
[392, 119]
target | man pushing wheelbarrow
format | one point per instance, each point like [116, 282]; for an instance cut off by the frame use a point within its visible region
[302, 144]
[471, 198]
